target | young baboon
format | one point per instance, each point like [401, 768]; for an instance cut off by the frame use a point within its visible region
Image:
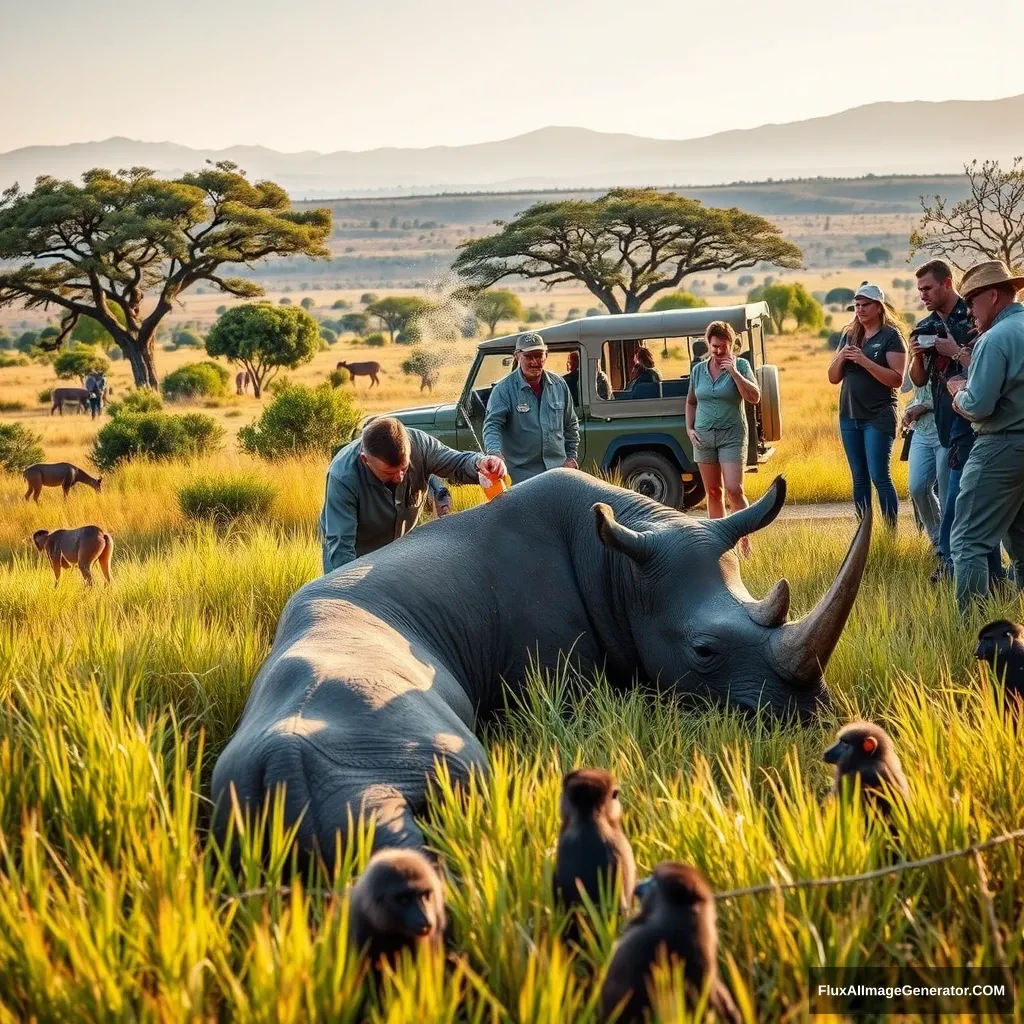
[591, 843]
[865, 749]
[397, 903]
[57, 474]
[1001, 644]
[677, 914]
[81, 547]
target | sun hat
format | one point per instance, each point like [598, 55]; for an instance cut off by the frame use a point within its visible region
[530, 343]
[988, 274]
[870, 291]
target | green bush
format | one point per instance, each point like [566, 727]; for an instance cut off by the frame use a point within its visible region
[155, 435]
[222, 500]
[195, 380]
[329, 335]
[185, 338]
[79, 362]
[6, 342]
[301, 420]
[140, 400]
[339, 376]
[375, 340]
[7, 406]
[46, 397]
[6, 361]
[18, 447]
[678, 300]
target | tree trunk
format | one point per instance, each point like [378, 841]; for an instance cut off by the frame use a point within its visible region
[140, 355]
[632, 303]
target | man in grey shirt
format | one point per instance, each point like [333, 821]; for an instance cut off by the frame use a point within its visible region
[531, 420]
[377, 486]
[990, 505]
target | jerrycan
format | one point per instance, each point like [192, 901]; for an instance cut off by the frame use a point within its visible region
[492, 486]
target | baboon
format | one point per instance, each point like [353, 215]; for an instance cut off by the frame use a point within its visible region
[242, 382]
[865, 749]
[1001, 644]
[677, 915]
[427, 380]
[81, 547]
[369, 369]
[397, 903]
[592, 848]
[57, 474]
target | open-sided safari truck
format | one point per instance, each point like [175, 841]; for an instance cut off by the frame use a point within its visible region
[641, 435]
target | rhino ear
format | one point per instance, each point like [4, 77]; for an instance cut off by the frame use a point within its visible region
[620, 538]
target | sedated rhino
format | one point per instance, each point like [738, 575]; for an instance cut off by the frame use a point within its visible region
[388, 662]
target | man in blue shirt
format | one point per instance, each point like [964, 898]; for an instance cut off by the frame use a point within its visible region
[531, 420]
[377, 485]
[990, 505]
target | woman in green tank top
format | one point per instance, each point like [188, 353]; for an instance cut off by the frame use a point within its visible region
[716, 420]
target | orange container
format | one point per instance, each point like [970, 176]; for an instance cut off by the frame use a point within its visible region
[492, 486]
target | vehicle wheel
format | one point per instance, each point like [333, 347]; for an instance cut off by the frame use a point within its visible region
[653, 476]
[693, 492]
[771, 408]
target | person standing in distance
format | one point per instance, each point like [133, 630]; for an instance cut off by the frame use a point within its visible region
[990, 504]
[377, 486]
[531, 420]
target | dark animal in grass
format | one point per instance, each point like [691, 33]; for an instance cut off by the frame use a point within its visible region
[368, 369]
[397, 903]
[57, 474]
[62, 395]
[82, 547]
[593, 851]
[383, 668]
[242, 382]
[676, 920]
[1001, 644]
[864, 749]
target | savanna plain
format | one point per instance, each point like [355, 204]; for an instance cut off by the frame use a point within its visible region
[115, 904]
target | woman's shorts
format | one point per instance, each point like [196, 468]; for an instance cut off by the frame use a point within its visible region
[721, 444]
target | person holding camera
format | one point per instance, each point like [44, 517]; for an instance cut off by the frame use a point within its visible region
[928, 462]
[870, 364]
[940, 350]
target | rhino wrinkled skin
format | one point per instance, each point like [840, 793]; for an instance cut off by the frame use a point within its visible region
[387, 664]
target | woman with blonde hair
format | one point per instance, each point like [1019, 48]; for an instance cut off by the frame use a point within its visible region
[716, 420]
[869, 365]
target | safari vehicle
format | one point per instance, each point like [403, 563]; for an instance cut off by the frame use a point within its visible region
[641, 435]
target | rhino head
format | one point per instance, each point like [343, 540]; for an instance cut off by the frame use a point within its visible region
[696, 627]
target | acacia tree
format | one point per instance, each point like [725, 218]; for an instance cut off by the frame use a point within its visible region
[988, 224]
[624, 247]
[263, 338]
[497, 304]
[397, 313]
[120, 237]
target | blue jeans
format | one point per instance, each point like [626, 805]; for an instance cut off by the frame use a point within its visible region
[868, 451]
[929, 471]
[994, 558]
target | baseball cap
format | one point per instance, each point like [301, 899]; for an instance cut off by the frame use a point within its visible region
[870, 291]
[530, 343]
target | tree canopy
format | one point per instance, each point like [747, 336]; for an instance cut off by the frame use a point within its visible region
[80, 362]
[397, 313]
[625, 247]
[108, 243]
[678, 300]
[263, 338]
[987, 225]
[787, 301]
[495, 305]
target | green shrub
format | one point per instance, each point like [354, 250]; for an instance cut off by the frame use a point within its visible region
[140, 400]
[46, 397]
[301, 419]
[329, 335]
[18, 447]
[79, 362]
[6, 406]
[6, 342]
[6, 361]
[195, 380]
[183, 337]
[339, 376]
[375, 340]
[155, 435]
[222, 500]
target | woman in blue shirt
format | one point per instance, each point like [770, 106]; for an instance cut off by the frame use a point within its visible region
[716, 420]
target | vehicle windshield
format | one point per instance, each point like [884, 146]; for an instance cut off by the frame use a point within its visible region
[493, 367]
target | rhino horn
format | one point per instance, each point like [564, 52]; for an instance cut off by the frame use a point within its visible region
[802, 649]
[772, 610]
[620, 538]
[754, 517]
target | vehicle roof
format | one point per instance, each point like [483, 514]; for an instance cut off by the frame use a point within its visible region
[672, 323]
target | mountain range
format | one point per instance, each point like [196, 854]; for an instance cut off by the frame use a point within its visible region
[880, 138]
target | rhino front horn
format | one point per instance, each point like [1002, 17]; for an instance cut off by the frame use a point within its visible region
[802, 649]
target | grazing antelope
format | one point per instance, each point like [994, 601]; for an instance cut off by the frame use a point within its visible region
[57, 474]
[81, 547]
[370, 369]
[62, 395]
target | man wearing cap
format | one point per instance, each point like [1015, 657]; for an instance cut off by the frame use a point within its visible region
[991, 501]
[531, 420]
[377, 484]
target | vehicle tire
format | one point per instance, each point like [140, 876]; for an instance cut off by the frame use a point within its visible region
[770, 406]
[693, 492]
[653, 476]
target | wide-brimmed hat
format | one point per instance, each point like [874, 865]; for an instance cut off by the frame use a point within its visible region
[530, 343]
[988, 274]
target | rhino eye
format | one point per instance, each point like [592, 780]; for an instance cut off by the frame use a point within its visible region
[703, 651]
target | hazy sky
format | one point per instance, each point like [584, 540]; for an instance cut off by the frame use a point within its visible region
[340, 74]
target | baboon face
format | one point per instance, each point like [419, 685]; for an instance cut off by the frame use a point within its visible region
[408, 904]
[996, 641]
[857, 746]
[673, 886]
[590, 793]
[39, 538]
